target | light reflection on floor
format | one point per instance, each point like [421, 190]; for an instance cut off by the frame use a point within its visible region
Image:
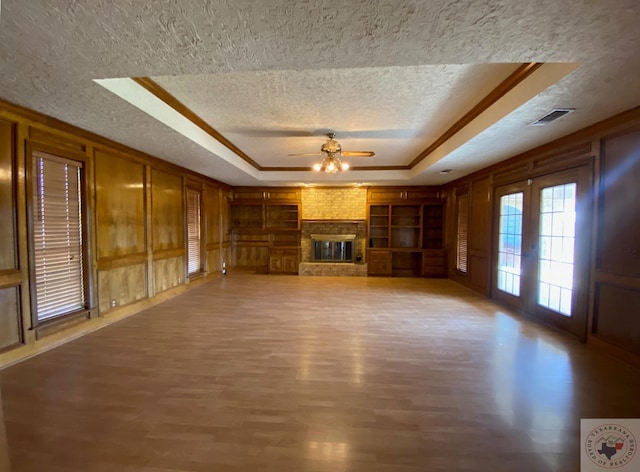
[523, 369]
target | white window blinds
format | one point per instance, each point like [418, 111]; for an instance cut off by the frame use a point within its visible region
[193, 231]
[463, 233]
[57, 236]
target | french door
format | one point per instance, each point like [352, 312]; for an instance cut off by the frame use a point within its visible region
[542, 248]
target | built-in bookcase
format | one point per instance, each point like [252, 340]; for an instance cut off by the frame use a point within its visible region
[379, 226]
[266, 229]
[282, 216]
[247, 216]
[405, 226]
[432, 227]
[411, 236]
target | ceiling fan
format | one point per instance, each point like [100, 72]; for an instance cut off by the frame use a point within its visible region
[332, 152]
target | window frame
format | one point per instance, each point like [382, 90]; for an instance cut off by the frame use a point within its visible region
[200, 271]
[459, 199]
[41, 326]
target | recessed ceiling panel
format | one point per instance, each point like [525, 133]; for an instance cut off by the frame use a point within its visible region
[394, 111]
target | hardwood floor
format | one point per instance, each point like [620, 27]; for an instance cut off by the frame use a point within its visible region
[285, 373]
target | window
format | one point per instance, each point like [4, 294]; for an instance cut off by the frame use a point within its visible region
[57, 236]
[463, 233]
[557, 244]
[193, 231]
[510, 243]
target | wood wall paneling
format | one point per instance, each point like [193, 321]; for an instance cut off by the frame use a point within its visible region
[167, 211]
[120, 206]
[480, 216]
[214, 260]
[618, 316]
[10, 316]
[479, 272]
[4, 446]
[119, 225]
[226, 255]
[479, 243]
[212, 214]
[620, 206]
[55, 139]
[225, 216]
[8, 247]
[123, 285]
[168, 273]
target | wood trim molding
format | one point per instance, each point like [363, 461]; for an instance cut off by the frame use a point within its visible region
[37, 134]
[286, 169]
[352, 168]
[520, 74]
[621, 281]
[10, 278]
[11, 111]
[152, 87]
[620, 123]
[168, 253]
[113, 262]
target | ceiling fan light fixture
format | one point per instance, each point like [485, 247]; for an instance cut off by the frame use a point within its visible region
[332, 151]
[330, 164]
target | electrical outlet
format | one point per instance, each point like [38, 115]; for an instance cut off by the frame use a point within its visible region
[113, 303]
[179, 280]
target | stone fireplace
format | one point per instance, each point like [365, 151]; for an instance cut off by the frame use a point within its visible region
[333, 247]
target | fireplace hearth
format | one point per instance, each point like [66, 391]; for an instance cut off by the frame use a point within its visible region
[333, 247]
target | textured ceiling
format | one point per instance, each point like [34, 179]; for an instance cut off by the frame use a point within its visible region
[388, 76]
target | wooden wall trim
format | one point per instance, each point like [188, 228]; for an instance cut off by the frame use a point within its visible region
[37, 134]
[617, 124]
[621, 281]
[10, 278]
[108, 263]
[75, 134]
[611, 350]
[168, 253]
[155, 89]
[520, 74]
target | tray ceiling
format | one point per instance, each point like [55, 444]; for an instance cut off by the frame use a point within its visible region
[271, 77]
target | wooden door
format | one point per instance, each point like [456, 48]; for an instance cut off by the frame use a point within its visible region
[560, 249]
[542, 248]
[510, 260]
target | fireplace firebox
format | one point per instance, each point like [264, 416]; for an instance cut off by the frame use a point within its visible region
[332, 247]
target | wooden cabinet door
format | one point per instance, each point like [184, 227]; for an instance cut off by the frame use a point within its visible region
[392, 194]
[249, 194]
[275, 261]
[379, 263]
[290, 262]
[384, 194]
[283, 194]
[422, 194]
[433, 263]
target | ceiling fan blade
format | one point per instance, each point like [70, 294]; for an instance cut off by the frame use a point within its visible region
[307, 154]
[358, 153]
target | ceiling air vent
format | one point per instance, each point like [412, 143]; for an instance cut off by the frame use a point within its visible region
[553, 115]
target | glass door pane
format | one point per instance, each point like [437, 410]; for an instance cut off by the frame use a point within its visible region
[510, 243]
[557, 246]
